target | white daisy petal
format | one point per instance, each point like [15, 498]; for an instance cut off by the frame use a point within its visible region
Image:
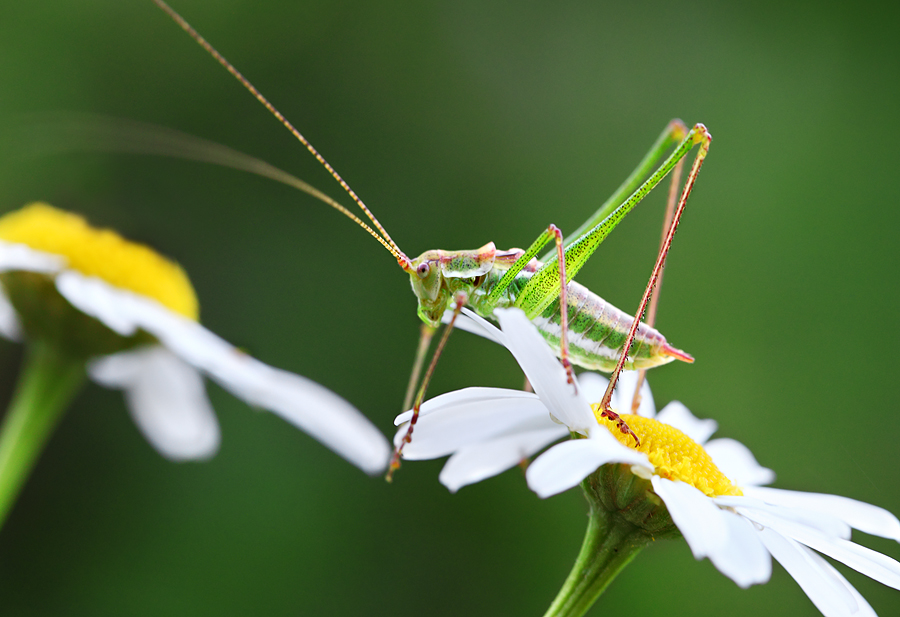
[593, 386]
[98, 299]
[863, 609]
[623, 395]
[831, 526]
[166, 398]
[677, 415]
[304, 403]
[829, 593]
[565, 465]
[460, 398]
[470, 322]
[22, 257]
[859, 515]
[488, 458]
[10, 328]
[457, 426]
[697, 517]
[727, 539]
[736, 461]
[871, 563]
[546, 374]
[745, 560]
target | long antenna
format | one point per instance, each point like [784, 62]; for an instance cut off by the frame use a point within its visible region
[64, 132]
[401, 257]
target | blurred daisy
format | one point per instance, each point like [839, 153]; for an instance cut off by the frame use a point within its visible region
[677, 480]
[89, 303]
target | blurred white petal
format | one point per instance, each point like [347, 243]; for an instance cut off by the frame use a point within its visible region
[677, 415]
[99, 299]
[828, 592]
[10, 327]
[593, 386]
[304, 403]
[623, 395]
[862, 607]
[736, 461]
[22, 257]
[166, 398]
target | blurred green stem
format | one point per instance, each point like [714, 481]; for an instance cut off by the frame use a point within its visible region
[610, 544]
[48, 381]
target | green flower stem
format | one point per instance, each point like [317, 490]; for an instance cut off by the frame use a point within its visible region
[48, 381]
[610, 544]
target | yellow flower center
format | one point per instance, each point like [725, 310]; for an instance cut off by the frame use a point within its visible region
[673, 454]
[102, 253]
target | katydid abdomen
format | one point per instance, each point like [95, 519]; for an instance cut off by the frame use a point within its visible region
[597, 330]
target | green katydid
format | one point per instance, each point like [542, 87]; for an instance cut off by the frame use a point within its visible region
[591, 333]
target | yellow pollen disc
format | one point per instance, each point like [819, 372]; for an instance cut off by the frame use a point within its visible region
[674, 455]
[102, 253]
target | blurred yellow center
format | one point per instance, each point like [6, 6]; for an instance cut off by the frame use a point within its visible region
[102, 253]
[673, 454]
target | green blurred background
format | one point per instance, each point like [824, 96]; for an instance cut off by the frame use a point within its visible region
[460, 123]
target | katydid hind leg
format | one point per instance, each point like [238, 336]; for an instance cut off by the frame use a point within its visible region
[701, 137]
[673, 134]
[671, 200]
[543, 287]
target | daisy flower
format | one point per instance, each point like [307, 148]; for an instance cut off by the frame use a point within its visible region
[678, 482]
[90, 304]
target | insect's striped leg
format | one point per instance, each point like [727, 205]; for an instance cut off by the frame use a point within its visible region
[541, 289]
[654, 298]
[460, 300]
[425, 335]
[701, 137]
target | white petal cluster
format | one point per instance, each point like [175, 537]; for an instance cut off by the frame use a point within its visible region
[163, 384]
[488, 430]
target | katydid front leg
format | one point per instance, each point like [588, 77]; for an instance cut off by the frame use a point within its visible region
[460, 300]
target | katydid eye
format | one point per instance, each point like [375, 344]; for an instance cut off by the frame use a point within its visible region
[423, 270]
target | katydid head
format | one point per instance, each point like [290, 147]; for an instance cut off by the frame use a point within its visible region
[437, 275]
